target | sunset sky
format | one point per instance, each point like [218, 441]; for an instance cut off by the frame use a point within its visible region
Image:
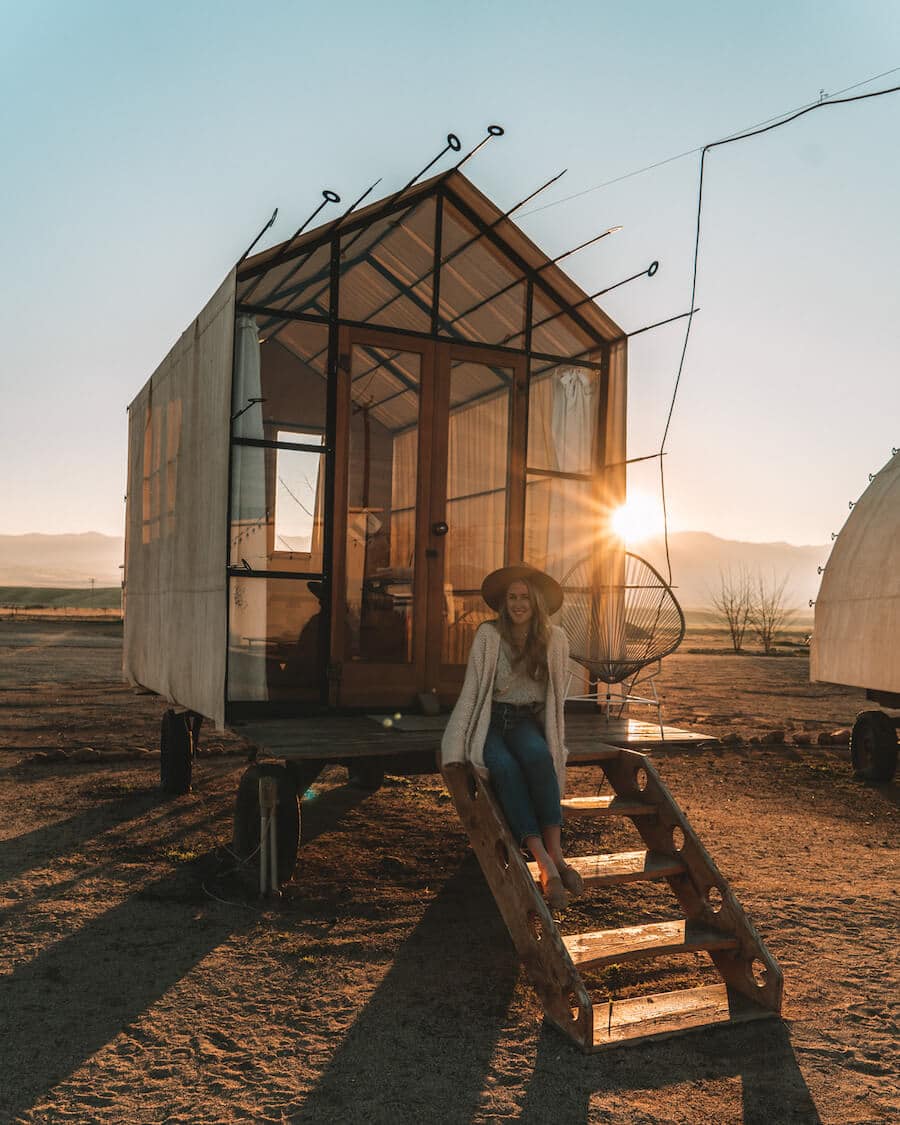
[144, 145]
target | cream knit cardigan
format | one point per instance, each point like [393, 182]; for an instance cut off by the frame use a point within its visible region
[467, 727]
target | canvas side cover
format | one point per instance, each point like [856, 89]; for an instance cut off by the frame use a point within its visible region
[858, 607]
[176, 517]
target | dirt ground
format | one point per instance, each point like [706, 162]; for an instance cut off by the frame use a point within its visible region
[142, 980]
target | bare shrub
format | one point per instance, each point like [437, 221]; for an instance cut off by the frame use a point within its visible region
[769, 613]
[734, 603]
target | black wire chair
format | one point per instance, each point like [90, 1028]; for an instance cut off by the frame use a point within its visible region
[620, 631]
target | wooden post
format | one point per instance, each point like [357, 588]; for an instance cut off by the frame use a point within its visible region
[268, 845]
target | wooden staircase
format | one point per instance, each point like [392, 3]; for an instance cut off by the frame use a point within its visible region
[713, 921]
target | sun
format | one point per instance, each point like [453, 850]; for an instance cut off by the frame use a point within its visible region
[640, 517]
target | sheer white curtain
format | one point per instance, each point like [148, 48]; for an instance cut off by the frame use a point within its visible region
[573, 429]
[249, 519]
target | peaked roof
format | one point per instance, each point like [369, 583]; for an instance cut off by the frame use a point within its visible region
[388, 275]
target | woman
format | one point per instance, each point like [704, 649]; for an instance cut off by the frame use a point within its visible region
[509, 720]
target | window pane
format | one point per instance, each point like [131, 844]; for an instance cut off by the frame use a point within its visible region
[561, 514]
[381, 504]
[555, 332]
[301, 284]
[561, 522]
[293, 377]
[299, 500]
[477, 474]
[387, 270]
[474, 270]
[273, 639]
[563, 406]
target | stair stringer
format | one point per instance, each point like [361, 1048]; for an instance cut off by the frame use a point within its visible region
[537, 940]
[693, 886]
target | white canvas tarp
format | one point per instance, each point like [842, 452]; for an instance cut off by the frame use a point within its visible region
[858, 606]
[176, 523]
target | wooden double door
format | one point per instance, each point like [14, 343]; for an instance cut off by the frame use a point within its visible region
[429, 497]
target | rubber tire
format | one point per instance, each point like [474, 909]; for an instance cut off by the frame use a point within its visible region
[365, 773]
[176, 759]
[873, 746]
[287, 812]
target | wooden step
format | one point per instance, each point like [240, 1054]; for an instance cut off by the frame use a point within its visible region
[620, 867]
[654, 939]
[670, 1013]
[606, 806]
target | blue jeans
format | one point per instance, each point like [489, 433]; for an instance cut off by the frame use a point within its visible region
[523, 775]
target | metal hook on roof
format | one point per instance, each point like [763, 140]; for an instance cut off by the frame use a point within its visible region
[258, 237]
[306, 257]
[454, 144]
[492, 131]
[328, 196]
[649, 272]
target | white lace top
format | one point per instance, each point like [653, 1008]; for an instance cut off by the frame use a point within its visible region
[512, 684]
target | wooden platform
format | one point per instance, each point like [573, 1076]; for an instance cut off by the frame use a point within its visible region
[333, 738]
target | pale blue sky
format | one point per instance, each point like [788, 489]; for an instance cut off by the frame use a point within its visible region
[145, 144]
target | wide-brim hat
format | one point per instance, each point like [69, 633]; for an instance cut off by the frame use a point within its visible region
[494, 587]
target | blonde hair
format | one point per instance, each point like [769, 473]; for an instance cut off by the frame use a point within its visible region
[533, 653]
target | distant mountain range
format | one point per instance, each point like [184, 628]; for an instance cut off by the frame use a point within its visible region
[61, 560]
[697, 560]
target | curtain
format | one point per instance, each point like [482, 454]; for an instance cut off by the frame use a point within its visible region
[571, 519]
[249, 521]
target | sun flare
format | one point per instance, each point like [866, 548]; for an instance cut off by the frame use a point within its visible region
[639, 518]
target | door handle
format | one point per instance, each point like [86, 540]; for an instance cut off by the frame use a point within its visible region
[439, 528]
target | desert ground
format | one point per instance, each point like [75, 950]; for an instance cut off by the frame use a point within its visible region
[144, 981]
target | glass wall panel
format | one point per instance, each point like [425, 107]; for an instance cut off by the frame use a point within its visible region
[554, 332]
[482, 291]
[477, 478]
[294, 377]
[277, 495]
[273, 639]
[561, 520]
[381, 504]
[301, 284]
[387, 271]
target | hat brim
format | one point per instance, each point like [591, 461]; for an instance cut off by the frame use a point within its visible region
[494, 587]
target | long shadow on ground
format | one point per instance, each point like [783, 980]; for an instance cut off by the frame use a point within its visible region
[419, 1019]
[82, 991]
[41, 845]
[760, 1054]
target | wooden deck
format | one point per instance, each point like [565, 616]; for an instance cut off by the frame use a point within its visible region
[335, 738]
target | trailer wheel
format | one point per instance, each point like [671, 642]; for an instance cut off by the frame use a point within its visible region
[365, 773]
[175, 757]
[287, 812]
[873, 746]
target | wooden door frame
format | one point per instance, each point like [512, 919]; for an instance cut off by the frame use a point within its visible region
[384, 684]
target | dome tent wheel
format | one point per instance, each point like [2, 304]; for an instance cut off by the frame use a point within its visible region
[873, 746]
[287, 812]
[175, 753]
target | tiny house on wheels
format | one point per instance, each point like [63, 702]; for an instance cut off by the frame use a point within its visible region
[359, 425]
